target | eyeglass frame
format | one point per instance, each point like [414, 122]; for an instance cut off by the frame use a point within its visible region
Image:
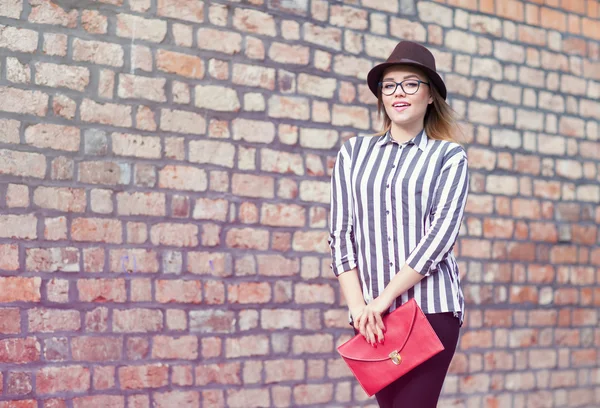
[402, 87]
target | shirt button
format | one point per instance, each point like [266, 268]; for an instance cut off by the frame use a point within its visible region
[388, 186]
[389, 238]
[387, 211]
[391, 264]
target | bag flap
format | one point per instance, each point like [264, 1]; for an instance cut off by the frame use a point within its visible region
[398, 324]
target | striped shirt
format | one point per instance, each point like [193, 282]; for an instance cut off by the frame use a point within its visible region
[393, 204]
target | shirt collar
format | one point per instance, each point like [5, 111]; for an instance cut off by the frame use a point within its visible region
[419, 140]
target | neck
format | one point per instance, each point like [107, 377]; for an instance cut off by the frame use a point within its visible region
[403, 134]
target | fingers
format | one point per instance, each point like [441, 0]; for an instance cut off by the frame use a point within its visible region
[380, 327]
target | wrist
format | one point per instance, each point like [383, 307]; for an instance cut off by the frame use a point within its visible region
[356, 310]
[386, 300]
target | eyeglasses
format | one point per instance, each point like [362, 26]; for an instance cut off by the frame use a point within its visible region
[409, 86]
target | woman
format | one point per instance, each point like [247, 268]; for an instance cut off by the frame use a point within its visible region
[397, 205]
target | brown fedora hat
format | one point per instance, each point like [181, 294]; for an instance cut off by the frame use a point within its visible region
[408, 53]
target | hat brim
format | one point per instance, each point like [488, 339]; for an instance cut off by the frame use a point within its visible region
[374, 75]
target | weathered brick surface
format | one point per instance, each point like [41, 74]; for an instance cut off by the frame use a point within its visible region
[164, 193]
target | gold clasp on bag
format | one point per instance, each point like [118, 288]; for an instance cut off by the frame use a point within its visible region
[395, 357]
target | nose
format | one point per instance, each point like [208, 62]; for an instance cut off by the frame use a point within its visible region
[399, 91]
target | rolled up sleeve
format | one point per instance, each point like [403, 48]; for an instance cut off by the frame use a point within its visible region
[450, 198]
[341, 233]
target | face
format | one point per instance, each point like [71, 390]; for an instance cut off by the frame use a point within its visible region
[404, 109]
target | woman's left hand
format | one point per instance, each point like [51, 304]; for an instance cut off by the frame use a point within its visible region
[370, 323]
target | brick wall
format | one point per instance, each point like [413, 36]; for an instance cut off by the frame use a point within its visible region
[164, 195]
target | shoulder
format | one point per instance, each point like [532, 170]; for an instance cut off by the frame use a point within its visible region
[356, 142]
[450, 152]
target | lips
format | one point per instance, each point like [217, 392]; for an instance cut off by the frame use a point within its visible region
[400, 106]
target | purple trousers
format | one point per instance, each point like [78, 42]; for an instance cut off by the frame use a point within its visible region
[421, 387]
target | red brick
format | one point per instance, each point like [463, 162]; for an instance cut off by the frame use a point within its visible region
[140, 87]
[238, 347]
[137, 320]
[180, 235]
[182, 122]
[181, 348]
[48, 136]
[253, 186]
[106, 114]
[12, 9]
[18, 289]
[311, 241]
[140, 377]
[217, 98]
[60, 199]
[249, 292]
[9, 131]
[51, 380]
[98, 52]
[19, 404]
[253, 76]
[44, 12]
[189, 10]
[133, 260]
[99, 401]
[254, 21]
[182, 375]
[177, 398]
[103, 378]
[10, 321]
[137, 203]
[19, 383]
[313, 394]
[97, 230]
[247, 397]
[476, 339]
[9, 257]
[94, 22]
[145, 29]
[183, 178]
[96, 320]
[220, 41]
[62, 168]
[247, 238]
[540, 273]
[178, 291]
[553, 19]
[62, 76]
[18, 39]
[19, 351]
[227, 373]
[585, 317]
[212, 321]
[290, 107]
[99, 172]
[51, 320]
[147, 147]
[563, 255]
[102, 290]
[180, 64]
[138, 348]
[55, 403]
[22, 164]
[317, 343]
[96, 348]
[289, 54]
[23, 102]
[52, 259]
[276, 265]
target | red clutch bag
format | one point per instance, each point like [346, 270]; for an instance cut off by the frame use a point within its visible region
[409, 341]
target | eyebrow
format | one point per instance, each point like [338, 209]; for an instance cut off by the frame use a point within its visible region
[406, 77]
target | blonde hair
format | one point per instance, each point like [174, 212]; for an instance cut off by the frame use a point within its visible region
[440, 120]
